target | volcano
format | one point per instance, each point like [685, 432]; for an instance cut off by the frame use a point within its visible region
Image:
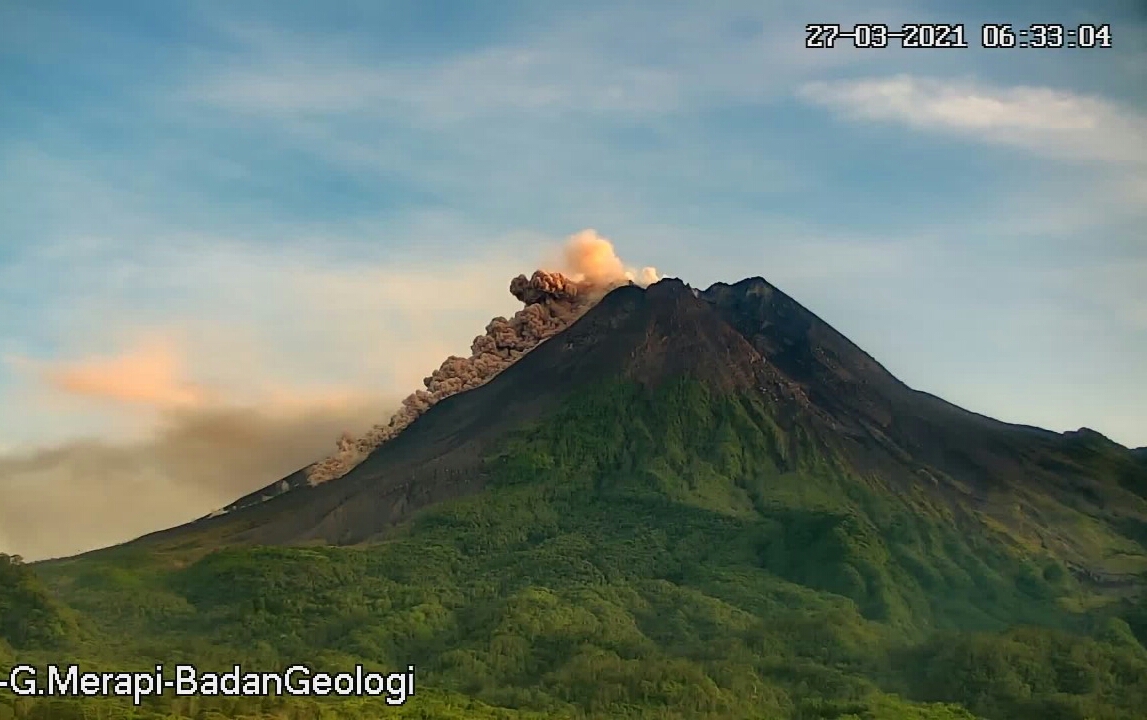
[673, 503]
[825, 396]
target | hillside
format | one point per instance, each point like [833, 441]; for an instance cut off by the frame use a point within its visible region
[647, 335]
[688, 504]
[29, 616]
[1046, 489]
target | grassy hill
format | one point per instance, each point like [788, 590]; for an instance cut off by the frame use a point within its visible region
[677, 553]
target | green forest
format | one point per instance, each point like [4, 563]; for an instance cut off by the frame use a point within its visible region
[639, 554]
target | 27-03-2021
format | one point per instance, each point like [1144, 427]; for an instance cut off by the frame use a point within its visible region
[954, 35]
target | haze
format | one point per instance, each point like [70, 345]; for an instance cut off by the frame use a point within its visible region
[228, 235]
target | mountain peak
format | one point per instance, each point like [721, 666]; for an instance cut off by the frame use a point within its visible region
[648, 336]
[748, 340]
[1086, 433]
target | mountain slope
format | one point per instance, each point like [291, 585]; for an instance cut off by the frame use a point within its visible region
[29, 617]
[647, 335]
[1077, 494]
[669, 551]
[1028, 479]
[686, 505]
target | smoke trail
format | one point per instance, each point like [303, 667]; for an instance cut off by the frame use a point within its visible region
[553, 301]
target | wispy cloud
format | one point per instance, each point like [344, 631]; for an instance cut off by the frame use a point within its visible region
[149, 374]
[235, 224]
[497, 81]
[246, 319]
[81, 494]
[243, 367]
[166, 448]
[620, 62]
[1055, 123]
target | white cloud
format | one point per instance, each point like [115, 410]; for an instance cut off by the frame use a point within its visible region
[489, 82]
[617, 62]
[1115, 288]
[1051, 122]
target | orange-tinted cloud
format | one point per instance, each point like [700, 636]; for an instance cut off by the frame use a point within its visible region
[83, 494]
[203, 448]
[150, 374]
[592, 258]
[110, 446]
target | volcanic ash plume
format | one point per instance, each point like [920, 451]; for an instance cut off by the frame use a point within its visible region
[553, 301]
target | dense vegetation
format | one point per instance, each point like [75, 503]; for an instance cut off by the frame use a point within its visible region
[660, 555]
[29, 617]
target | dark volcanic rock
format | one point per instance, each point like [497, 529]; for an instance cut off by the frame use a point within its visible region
[744, 338]
[1140, 454]
[647, 336]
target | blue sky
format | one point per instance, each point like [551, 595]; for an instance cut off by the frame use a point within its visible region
[308, 200]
